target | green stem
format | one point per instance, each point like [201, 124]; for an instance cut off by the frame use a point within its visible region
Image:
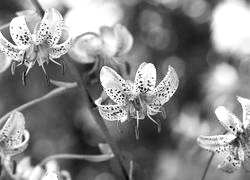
[49, 95]
[92, 158]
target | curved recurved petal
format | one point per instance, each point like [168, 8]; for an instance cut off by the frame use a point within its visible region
[145, 78]
[50, 28]
[231, 163]
[13, 136]
[112, 112]
[60, 49]
[114, 85]
[20, 32]
[245, 103]
[154, 107]
[124, 39]
[16, 146]
[228, 120]
[50, 175]
[167, 87]
[9, 49]
[218, 143]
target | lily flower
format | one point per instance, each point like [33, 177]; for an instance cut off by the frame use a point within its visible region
[235, 143]
[51, 171]
[44, 41]
[111, 42]
[103, 48]
[136, 99]
[14, 138]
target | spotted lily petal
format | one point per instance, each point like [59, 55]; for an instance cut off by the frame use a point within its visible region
[245, 103]
[4, 62]
[9, 49]
[124, 39]
[20, 32]
[228, 120]
[218, 143]
[50, 28]
[231, 163]
[60, 49]
[145, 78]
[50, 175]
[114, 85]
[112, 112]
[167, 87]
[13, 136]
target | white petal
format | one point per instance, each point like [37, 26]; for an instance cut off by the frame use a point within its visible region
[110, 42]
[124, 38]
[50, 175]
[167, 87]
[245, 103]
[60, 49]
[112, 112]
[231, 163]
[20, 32]
[4, 62]
[218, 143]
[50, 28]
[9, 49]
[228, 120]
[145, 78]
[114, 85]
[85, 48]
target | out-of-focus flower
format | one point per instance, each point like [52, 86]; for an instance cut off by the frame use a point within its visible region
[94, 14]
[136, 99]
[50, 175]
[111, 42]
[41, 42]
[230, 31]
[234, 144]
[14, 137]
[25, 171]
[220, 84]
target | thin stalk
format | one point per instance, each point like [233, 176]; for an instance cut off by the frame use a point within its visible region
[92, 158]
[207, 166]
[38, 7]
[99, 120]
[86, 97]
[49, 95]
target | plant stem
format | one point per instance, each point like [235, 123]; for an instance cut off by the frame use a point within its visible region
[49, 95]
[86, 96]
[99, 120]
[38, 7]
[207, 166]
[92, 158]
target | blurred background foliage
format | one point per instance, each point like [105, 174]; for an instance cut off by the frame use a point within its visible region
[166, 32]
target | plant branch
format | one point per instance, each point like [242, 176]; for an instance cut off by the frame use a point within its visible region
[92, 158]
[38, 7]
[207, 166]
[99, 120]
[49, 95]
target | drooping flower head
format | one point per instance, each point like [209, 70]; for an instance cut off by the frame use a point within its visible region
[136, 99]
[38, 41]
[111, 42]
[102, 49]
[235, 144]
[14, 138]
